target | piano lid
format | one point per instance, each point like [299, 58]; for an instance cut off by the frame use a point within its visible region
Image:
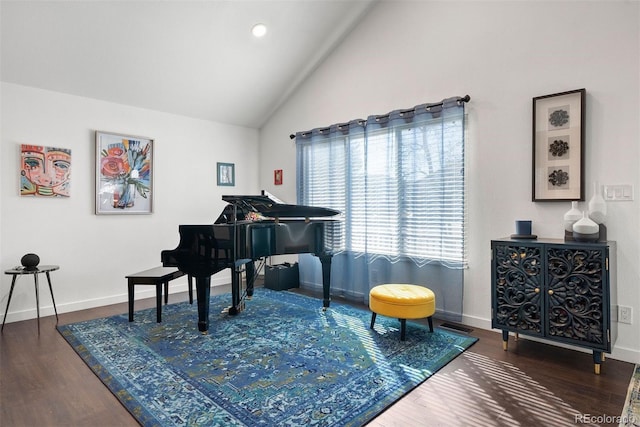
[269, 206]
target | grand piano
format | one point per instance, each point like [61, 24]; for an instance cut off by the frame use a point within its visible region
[249, 229]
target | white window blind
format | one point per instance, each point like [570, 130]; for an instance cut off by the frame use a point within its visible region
[401, 187]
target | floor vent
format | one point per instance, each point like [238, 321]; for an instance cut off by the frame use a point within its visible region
[457, 328]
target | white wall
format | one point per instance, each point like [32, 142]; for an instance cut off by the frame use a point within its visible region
[502, 54]
[95, 252]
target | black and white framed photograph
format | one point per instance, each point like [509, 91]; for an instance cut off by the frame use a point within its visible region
[558, 146]
[226, 174]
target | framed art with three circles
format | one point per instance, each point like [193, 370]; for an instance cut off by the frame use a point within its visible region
[558, 146]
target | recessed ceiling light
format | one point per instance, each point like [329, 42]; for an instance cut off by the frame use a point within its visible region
[259, 30]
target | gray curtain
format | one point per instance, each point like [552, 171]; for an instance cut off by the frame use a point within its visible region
[398, 179]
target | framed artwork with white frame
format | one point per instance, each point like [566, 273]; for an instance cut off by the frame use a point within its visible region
[124, 174]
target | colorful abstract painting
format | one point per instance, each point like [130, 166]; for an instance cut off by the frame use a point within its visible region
[44, 171]
[124, 174]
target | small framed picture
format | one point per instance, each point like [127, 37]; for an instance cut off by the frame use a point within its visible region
[277, 177]
[124, 174]
[226, 174]
[558, 146]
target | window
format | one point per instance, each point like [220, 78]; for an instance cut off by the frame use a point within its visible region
[398, 179]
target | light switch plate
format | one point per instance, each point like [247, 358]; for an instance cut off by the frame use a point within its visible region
[617, 193]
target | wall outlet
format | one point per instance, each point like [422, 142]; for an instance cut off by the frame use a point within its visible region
[625, 314]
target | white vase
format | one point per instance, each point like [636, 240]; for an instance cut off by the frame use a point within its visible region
[572, 216]
[586, 230]
[597, 205]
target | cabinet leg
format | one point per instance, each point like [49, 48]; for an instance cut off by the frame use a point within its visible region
[597, 360]
[505, 340]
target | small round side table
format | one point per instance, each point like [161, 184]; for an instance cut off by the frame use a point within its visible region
[19, 271]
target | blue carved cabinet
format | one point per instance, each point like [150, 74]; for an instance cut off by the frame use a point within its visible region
[556, 290]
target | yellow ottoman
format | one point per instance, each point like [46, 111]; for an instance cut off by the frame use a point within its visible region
[403, 302]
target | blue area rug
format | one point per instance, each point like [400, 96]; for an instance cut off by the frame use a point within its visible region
[630, 416]
[282, 361]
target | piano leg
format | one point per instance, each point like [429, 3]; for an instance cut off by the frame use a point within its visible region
[250, 271]
[203, 292]
[236, 290]
[325, 260]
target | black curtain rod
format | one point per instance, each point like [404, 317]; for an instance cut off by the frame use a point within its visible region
[465, 98]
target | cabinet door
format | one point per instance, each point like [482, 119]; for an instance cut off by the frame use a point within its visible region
[517, 284]
[577, 296]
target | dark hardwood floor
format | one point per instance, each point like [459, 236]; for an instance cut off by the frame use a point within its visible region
[44, 383]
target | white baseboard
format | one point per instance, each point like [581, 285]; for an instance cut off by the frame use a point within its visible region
[617, 353]
[141, 292]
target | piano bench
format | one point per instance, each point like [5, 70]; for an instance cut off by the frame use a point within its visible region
[157, 276]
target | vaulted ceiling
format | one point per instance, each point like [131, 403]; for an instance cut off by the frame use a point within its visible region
[193, 58]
